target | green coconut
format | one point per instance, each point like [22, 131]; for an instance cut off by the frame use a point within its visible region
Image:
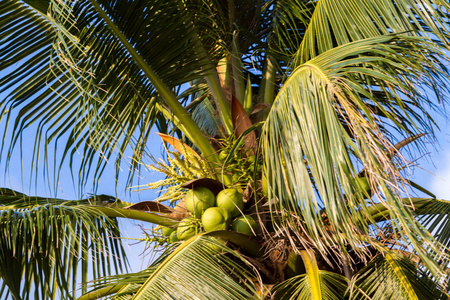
[187, 228]
[231, 200]
[244, 224]
[216, 244]
[167, 231]
[198, 200]
[173, 237]
[216, 218]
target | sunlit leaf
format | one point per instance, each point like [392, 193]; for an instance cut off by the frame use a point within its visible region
[329, 126]
[184, 273]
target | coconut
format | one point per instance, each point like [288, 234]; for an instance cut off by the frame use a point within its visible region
[216, 218]
[216, 244]
[173, 237]
[187, 228]
[231, 200]
[244, 224]
[167, 231]
[198, 200]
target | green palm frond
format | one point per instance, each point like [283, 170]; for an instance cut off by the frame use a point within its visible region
[335, 23]
[332, 286]
[290, 24]
[224, 273]
[434, 215]
[83, 82]
[431, 213]
[310, 155]
[204, 115]
[123, 286]
[196, 270]
[51, 244]
[394, 277]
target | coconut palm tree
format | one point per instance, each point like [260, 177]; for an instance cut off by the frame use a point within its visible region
[302, 107]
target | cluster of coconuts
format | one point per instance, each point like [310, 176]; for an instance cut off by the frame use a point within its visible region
[210, 213]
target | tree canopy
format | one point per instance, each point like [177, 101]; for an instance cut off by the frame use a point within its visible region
[301, 108]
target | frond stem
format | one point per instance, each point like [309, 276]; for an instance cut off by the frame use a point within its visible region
[135, 215]
[103, 292]
[269, 80]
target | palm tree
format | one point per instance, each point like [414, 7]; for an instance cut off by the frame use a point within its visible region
[301, 106]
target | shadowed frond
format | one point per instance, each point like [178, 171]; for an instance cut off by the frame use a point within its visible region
[434, 215]
[204, 115]
[394, 277]
[51, 244]
[290, 24]
[123, 286]
[80, 83]
[331, 286]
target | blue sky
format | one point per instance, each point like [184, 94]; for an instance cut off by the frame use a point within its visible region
[433, 168]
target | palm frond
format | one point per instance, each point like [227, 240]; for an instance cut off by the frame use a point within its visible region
[51, 244]
[204, 115]
[123, 286]
[80, 84]
[320, 125]
[434, 215]
[335, 23]
[332, 286]
[184, 274]
[431, 213]
[290, 24]
[394, 277]
[170, 265]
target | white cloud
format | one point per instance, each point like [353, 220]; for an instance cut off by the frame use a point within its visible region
[440, 184]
